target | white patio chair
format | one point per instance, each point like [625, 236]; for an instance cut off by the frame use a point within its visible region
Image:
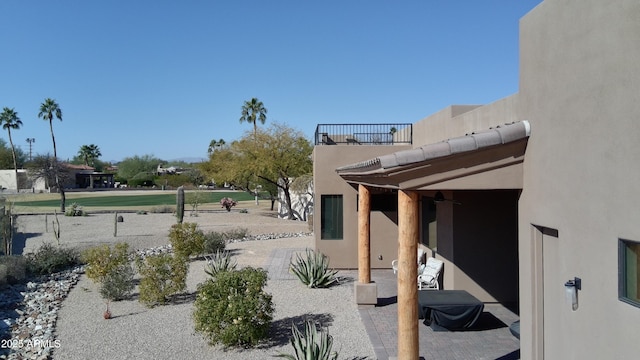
[428, 277]
[394, 263]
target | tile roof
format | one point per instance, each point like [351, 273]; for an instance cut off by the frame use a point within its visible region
[471, 142]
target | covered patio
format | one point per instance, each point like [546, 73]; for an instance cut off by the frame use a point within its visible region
[488, 160]
[490, 338]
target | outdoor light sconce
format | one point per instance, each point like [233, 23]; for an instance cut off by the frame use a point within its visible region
[571, 291]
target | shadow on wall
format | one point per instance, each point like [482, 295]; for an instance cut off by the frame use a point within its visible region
[486, 242]
[301, 204]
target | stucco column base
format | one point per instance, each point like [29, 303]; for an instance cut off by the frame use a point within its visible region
[366, 294]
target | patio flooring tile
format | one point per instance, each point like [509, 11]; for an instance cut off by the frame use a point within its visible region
[492, 341]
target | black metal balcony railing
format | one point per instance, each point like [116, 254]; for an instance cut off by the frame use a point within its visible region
[363, 134]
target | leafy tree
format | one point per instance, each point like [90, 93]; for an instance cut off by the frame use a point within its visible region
[6, 156]
[225, 166]
[10, 120]
[48, 110]
[271, 158]
[132, 166]
[49, 168]
[252, 111]
[89, 153]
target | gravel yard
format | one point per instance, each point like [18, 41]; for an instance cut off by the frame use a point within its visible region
[167, 332]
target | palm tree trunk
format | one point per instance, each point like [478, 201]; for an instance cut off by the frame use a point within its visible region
[15, 162]
[53, 138]
[63, 198]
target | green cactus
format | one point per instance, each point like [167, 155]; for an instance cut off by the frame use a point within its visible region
[180, 204]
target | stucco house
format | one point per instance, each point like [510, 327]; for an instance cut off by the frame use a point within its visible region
[79, 177]
[518, 197]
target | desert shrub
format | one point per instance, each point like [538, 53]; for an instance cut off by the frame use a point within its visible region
[233, 309]
[103, 260]
[13, 269]
[312, 345]
[163, 209]
[186, 239]
[143, 179]
[214, 242]
[313, 269]
[162, 276]
[217, 241]
[75, 210]
[117, 284]
[237, 233]
[228, 203]
[219, 262]
[172, 180]
[48, 259]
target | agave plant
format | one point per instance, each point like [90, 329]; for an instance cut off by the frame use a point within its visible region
[218, 262]
[313, 269]
[312, 345]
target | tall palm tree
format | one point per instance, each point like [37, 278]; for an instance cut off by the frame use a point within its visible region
[48, 109]
[89, 153]
[252, 111]
[10, 120]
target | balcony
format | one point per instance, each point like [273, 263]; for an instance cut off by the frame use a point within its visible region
[364, 134]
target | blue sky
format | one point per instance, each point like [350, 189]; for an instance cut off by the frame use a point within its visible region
[164, 78]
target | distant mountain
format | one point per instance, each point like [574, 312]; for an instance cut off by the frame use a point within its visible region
[189, 160]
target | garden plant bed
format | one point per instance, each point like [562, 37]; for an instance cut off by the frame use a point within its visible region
[163, 332]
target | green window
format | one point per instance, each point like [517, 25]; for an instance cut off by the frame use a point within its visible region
[331, 217]
[629, 282]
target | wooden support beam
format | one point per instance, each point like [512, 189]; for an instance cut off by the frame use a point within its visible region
[408, 236]
[364, 234]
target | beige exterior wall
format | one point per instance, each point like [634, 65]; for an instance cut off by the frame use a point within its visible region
[384, 234]
[459, 120]
[580, 89]
[8, 181]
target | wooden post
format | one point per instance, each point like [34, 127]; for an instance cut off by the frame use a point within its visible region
[364, 234]
[408, 233]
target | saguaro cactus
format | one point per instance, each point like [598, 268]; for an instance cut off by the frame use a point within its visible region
[180, 204]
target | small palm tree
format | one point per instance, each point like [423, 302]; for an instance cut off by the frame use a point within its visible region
[48, 110]
[215, 144]
[392, 131]
[10, 120]
[89, 153]
[252, 111]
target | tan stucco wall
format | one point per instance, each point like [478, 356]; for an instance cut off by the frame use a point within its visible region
[459, 120]
[384, 234]
[579, 88]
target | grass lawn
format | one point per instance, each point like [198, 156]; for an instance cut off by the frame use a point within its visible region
[119, 200]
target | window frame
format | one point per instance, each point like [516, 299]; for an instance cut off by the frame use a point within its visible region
[622, 272]
[339, 235]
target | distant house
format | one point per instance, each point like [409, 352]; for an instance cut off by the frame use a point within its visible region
[8, 182]
[85, 177]
[520, 198]
[81, 177]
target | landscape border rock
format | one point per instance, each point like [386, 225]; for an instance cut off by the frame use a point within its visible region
[29, 311]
